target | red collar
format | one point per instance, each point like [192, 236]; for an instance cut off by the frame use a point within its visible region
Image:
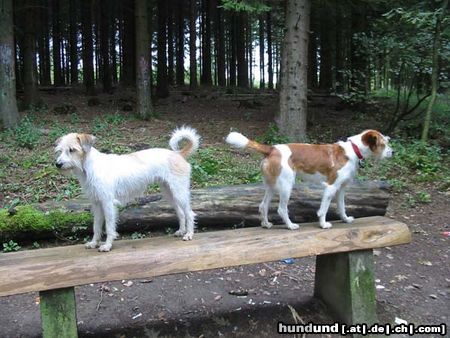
[356, 150]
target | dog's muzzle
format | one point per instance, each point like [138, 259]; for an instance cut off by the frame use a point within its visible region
[58, 165]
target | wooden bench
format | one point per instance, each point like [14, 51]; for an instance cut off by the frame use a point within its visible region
[344, 267]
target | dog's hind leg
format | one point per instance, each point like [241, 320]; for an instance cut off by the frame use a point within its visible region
[181, 197]
[110, 212]
[328, 195]
[341, 206]
[264, 207]
[180, 213]
[99, 218]
[284, 186]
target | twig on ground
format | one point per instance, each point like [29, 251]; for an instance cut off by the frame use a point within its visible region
[283, 272]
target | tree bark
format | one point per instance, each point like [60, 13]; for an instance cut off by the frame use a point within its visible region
[262, 80]
[269, 51]
[291, 119]
[162, 84]
[327, 41]
[434, 71]
[88, 48]
[220, 44]
[56, 37]
[105, 13]
[29, 56]
[170, 42]
[232, 205]
[242, 61]
[233, 42]
[192, 46]
[73, 41]
[127, 73]
[8, 104]
[206, 76]
[143, 64]
[180, 43]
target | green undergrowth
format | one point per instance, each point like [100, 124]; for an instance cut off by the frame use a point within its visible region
[29, 220]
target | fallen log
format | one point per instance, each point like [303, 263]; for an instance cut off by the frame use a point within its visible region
[238, 206]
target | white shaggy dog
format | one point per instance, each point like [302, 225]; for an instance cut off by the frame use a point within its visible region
[110, 180]
[335, 163]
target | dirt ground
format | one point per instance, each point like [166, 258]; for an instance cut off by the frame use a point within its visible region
[413, 281]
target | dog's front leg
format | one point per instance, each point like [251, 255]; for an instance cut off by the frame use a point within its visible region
[110, 212]
[99, 218]
[341, 206]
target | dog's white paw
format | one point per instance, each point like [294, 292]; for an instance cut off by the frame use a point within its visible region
[179, 233]
[326, 225]
[293, 226]
[348, 219]
[105, 247]
[188, 236]
[266, 225]
[91, 245]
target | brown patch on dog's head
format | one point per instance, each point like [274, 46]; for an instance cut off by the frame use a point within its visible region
[86, 141]
[374, 140]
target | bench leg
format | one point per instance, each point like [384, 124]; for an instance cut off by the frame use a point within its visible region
[58, 313]
[345, 283]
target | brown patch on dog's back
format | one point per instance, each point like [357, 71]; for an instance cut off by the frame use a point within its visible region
[325, 159]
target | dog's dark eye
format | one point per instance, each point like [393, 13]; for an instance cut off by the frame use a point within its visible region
[71, 150]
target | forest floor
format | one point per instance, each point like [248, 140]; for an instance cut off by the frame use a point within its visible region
[413, 281]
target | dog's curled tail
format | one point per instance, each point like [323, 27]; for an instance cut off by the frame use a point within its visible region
[185, 133]
[238, 140]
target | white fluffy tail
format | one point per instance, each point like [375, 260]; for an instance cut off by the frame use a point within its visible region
[185, 133]
[237, 140]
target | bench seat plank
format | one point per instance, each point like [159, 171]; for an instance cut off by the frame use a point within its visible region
[60, 267]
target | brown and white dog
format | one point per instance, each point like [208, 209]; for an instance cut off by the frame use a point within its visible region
[335, 163]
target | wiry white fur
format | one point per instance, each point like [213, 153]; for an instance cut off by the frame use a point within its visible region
[237, 140]
[110, 180]
[187, 133]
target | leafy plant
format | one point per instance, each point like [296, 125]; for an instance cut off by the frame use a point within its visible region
[272, 136]
[26, 134]
[11, 246]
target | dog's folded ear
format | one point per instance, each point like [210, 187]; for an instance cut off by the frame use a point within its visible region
[370, 139]
[86, 141]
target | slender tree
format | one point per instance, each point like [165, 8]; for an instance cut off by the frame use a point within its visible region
[242, 60]
[262, 79]
[293, 102]
[219, 33]
[180, 43]
[127, 74]
[105, 13]
[143, 65]
[192, 46]
[269, 51]
[58, 79]
[29, 55]
[73, 41]
[88, 48]
[162, 83]
[8, 104]
[206, 76]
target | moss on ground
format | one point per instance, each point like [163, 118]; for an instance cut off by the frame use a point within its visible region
[27, 219]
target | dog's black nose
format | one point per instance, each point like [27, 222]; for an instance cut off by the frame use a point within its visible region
[58, 164]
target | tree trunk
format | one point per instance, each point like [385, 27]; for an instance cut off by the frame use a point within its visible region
[88, 48]
[162, 84]
[43, 45]
[358, 55]
[206, 77]
[73, 41]
[233, 42]
[242, 61]
[434, 71]
[56, 37]
[8, 104]
[262, 80]
[127, 73]
[220, 44]
[269, 51]
[293, 103]
[327, 40]
[238, 205]
[105, 13]
[192, 46]
[180, 43]
[143, 64]
[29, 56]
[170, 42]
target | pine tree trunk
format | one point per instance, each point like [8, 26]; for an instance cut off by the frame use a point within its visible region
[56, 37]
[269, 51]
[327, 39]
[233, 41]
[29, 56]
[262, 82]
[44, 45]
[242, 62]
[73, 41]
[434, 70]
[358, 56]
[127, 77]
[88, 48]
[220, 44]
[8, 104]
[293, 103]
[162, 84]
[170, 43]
[143, 64]
[192, 46]
[112, 40]
[180, 43]
[206, 77]
[105, 12]
[340, 48]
